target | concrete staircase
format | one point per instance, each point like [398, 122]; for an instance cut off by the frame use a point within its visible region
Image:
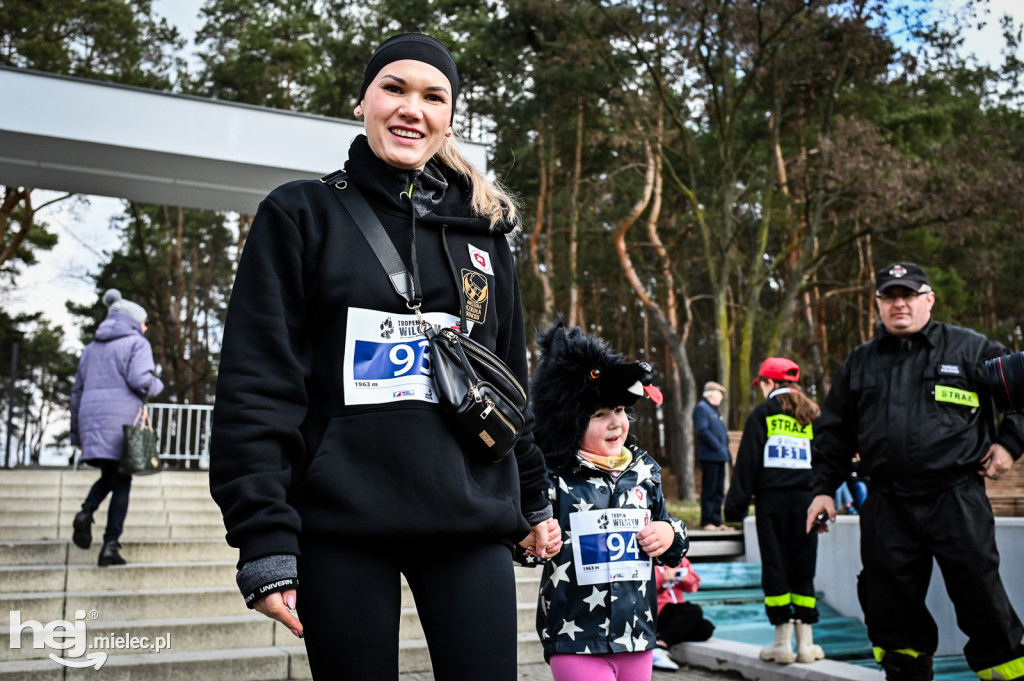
[177, 592]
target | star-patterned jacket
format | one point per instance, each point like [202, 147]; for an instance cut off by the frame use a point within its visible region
[605, 618]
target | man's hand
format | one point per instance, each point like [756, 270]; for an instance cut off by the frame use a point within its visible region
[280, 606]
[997, 462]
[822, 503]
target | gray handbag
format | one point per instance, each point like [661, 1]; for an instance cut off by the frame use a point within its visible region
[139, 456]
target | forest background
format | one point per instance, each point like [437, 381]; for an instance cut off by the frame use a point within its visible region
[704, 183]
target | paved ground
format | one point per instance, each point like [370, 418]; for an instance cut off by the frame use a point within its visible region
[541, 672]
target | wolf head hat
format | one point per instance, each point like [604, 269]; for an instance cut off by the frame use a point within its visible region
[577, 375]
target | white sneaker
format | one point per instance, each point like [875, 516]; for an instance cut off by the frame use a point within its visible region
[663, 661]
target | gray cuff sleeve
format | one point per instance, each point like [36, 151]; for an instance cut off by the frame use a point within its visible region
[267, 575]
[535, 517]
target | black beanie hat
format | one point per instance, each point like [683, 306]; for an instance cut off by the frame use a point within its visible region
[416, 46]
[577, 375]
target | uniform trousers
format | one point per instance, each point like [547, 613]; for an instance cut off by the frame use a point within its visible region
[350, 603]
[788, 554]
[900, 536]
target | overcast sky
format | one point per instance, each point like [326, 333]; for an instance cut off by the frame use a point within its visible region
[84, 234]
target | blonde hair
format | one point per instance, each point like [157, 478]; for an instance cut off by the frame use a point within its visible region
[796, 404]
[490, 199]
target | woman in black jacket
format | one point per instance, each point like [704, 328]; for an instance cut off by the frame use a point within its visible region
[332, 463]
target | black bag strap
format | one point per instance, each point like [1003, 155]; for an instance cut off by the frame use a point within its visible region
[405, 285]
[355, 203]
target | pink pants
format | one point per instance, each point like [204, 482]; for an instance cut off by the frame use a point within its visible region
[609, 667]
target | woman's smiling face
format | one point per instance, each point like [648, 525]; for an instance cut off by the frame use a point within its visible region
[408, 112]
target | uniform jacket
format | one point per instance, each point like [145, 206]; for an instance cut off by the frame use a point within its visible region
[761, 466]
[602, 618]
[919, 412]
[712, 435]
[675, 591]
[324, 420]
[114, 375]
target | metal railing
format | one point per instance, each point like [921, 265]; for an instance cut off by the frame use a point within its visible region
[183, 433]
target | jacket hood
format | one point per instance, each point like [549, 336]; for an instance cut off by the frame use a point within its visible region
[383, 186]
[117, 325]
[578, 374]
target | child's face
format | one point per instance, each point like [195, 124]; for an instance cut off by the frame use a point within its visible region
[607, 432]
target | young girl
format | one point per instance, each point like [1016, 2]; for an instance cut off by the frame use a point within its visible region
[678, 620]
[774, 465]
[598, 603]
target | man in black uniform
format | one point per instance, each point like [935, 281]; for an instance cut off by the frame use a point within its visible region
[913, 402]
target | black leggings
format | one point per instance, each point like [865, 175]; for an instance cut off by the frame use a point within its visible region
[350, 605]
[119, 487]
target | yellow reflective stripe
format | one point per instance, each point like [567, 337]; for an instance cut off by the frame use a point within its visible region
[1014, 669]
[803, 601]
[776, 601]
[910, 652]
[780, 424]
[965, 398]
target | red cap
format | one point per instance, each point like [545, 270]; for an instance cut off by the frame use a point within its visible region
[778, 369]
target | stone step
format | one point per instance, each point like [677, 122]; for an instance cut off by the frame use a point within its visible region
[141, 551]
[239, 664]
[28, 579]
[135, 517]
[210, 515]
[143, 604]
[78, 489]
[25, 504]
[36, 578]
[258, 663]
[38, 476]
[250, 630]
[132, 532]
[167, 603]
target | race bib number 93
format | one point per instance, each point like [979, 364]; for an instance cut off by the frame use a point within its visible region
[387, 357]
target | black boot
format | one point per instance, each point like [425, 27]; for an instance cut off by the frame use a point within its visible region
[82, 536]
[111, 554]
[900, 667]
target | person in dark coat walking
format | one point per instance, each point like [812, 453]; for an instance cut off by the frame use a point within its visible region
[116, 373]
[713, 453]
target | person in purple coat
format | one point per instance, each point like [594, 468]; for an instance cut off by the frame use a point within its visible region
[116, 373]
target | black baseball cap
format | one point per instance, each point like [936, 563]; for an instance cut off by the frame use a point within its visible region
[905, 274]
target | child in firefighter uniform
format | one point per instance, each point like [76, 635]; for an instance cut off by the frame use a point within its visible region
[774, 466]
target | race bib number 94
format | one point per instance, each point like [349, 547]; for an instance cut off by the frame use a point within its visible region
[605, 548]
[387, 357]
[789, 443]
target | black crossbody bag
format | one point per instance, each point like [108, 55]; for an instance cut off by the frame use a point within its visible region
[478, 393]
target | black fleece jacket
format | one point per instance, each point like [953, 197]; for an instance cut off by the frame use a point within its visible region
[750, 475]
[891, 402]
[305, 437]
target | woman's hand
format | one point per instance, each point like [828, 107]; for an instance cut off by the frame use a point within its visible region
[656, 538]
[280, 606]
[544, 540]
